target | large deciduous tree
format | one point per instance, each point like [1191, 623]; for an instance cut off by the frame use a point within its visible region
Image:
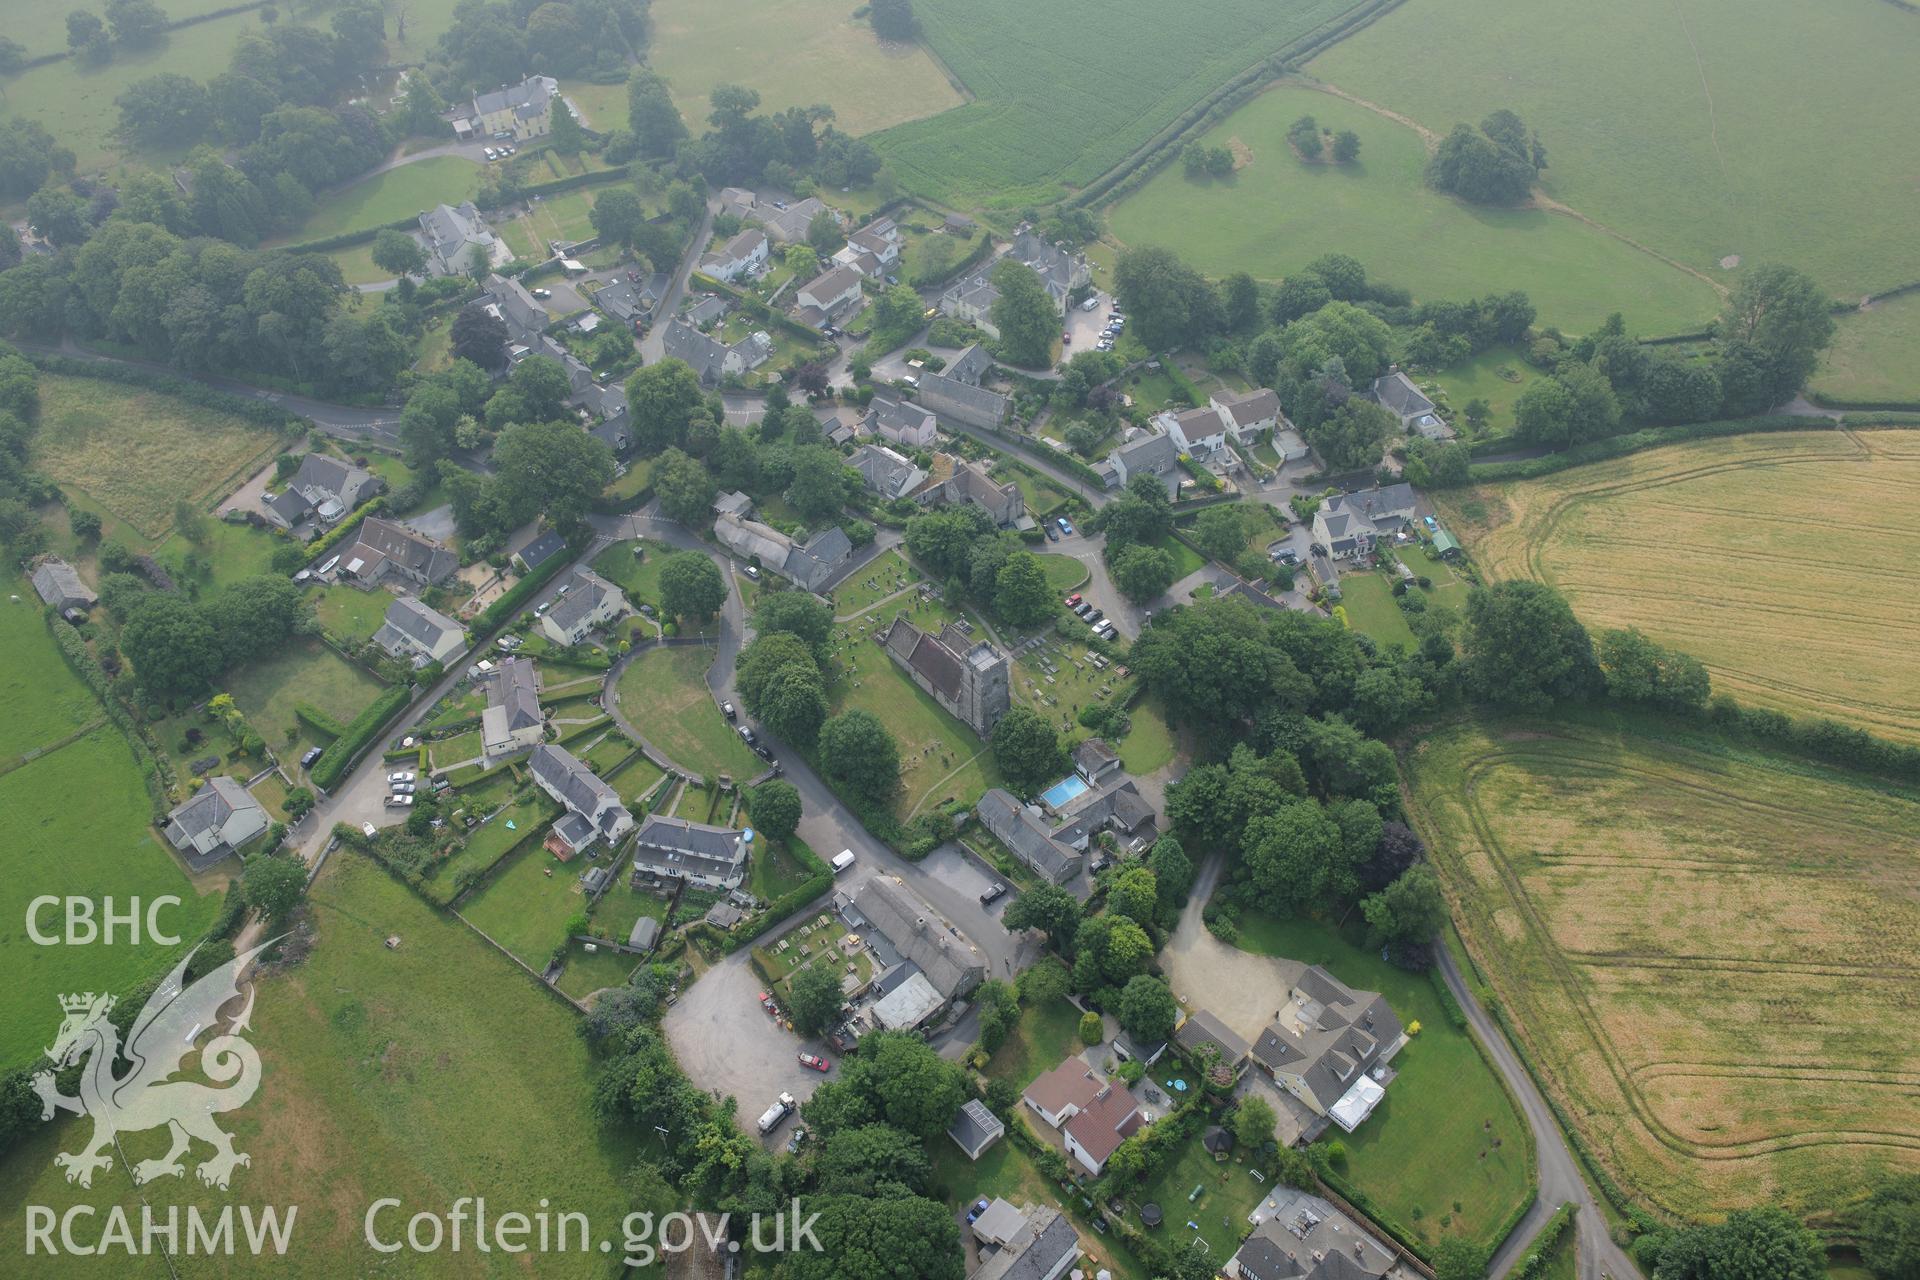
[1027, 750]
[858, 755]
[1524, 647]
[1024, 314]
[691, 586]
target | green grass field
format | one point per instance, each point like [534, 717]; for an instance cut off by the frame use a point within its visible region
[75, 102]
[1185, 559]
[303, 670]
[41, 699]
[1064, 573]
[1368, 599]
[1148, 746]
[1731, 127]
[1278, 212]
[1480, 379]
[1430, 1143]
[586, 973]
[350, 613]
[794, 53]
[663, 692]
[390, 196]
[526, 910]
[1873, 354]
[133, 454]
[430, 1070]
[1063, 92]
[75, 822]
[637, 576]
[357, 265]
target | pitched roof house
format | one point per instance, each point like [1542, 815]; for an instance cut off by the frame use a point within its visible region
[1060, 270]
[969, 679]
[969, 483]
[1095, 761]
[1247, 415]
[834, 292]
[384, 549]
[593, 809]
[539, 549]
[324, 489]
[810, 565]
[512, 720]
[972, 300]
[1093, 1115]
[791, 224]
[975, 406]
[709, 856]
[1041, 1246]
[744, 255]
[886, 472]
[57, 584]
[522, 313]
[1322, 1046]
[455, 238]
[975, 1128]
[1143, 452]
[901, 422]
[1055, 843]
[1299, 1236]
[713, 360]
[1201, 1030]
[1395, 392]
[1347, 524]
[413, 630]
[523, 110]
[953, 967]
[1199, 433]
[589, 601]
[215, 820]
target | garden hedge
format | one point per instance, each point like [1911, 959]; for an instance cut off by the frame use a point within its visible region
[73, 648]
[498, 613]
[1540, 1251]
[333, 762]
[318, 720]
[318, 548]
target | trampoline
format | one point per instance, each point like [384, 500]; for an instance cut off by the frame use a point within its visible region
[1064, 791]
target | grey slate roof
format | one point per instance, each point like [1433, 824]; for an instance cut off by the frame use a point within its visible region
[515, 688]
[59, 585]
[1255, 406]
[209, 808]
[524, 315]
[1201, 1028]
[675, 846]
[1396, 393]
[1341, 1033]
[1027, 836]
[588, 592]
[542, 549]
[975, 1128]
[584, 794]
[1038, 1250]
[646, 932]
[942, 393]
[1152, 451]
[1094, 757]
[953, 967]
[413, 627]
[385, 539]
[706, 356]
[814, 563]
[886, 472]
[323, 479]
[531, 92]
[970, 365]
[889, 413]
[707, 310]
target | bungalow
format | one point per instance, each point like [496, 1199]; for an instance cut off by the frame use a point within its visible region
[810, 565]
[886, 472]
[512, 721]
[1328, 1046]
[57, 584]
[1041, 1244]
[1144, 453]
[1395, 392]
[413, 630]
[1203, 1035]
[456, 238]
[791, 224]
[834, 292]
[1198, 433]
[901, 422]
[1245, 416]
[384, 549]
[744, 255]
[588, 601]
[216, 820]
[1348, 524]
[708, 857]
[1094, 1116]
[324, 490]
[975, 1128]
[538, 550]
[969, 483]
[593, 809]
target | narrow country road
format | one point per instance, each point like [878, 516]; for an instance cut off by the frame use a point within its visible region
[653, 346]
[1560, 1177]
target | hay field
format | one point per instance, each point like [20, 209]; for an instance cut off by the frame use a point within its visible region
[795, 53]
[1702, 128]
[1710, 955]
[1278, 212]
[1781, 561]
[133, 454]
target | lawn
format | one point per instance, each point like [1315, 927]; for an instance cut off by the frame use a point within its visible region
[75, 102]
[491, 841]
[635, 779]
[559, 217]
[1697, 946]
[794, 53]
[589, 972]
[1450, 585]
[1229, 1194]
[638, 576]
[134, 454]
[940, 758]
[1064, 573]
[1043, 497]
[774, 870]
[349, 613]
[75, 822]
[664, 694]
[1714, 547]
[1148, 746]
[434, 351]
[459, 748]
[390, 196]
[357, 265]
[1038, 1043]
[877, 579]
[303, 670]
[41, 699]
[1371, 609]
[1429, 1145]
[1872, 356]
[431, 1070]
[1040, 122]
[1278, 212]
[1752, 112]
[1481, 379]
[229, 553]
[525, 909]
[1185, 559]
[621, 906]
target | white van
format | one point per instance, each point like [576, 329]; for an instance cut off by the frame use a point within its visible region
[842, 860]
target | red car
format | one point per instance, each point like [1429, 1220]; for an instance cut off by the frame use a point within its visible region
[766, 1002]
[818, 1064]
[1073, 600]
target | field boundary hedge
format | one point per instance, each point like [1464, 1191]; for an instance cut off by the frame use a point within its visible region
[111, 369]
[318, 720]
[73, 648]
[1636, 441]
[1541, 1246]
[340, 753]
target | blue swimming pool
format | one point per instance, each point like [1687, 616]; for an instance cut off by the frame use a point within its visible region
[1063, 791]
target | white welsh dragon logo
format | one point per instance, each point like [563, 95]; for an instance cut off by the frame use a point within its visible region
[161, 1037]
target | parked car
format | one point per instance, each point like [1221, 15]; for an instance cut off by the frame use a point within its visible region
[399, 802]
[1074, 599]
[1082, 609]
[746, 734]
[1066, 339]
[767, 1003]
[816, 1063]
[404, 775]
[799, 1136]
[309, 756]
[1053, 534]
[1093, 619]
[368, 830]
[1091, 304]
[839, 1042]
[979, 1207]
[542, 294]
[993, 894]
[764, 751]
[403, 788]
[492, 154]
[726, 709]
[752, 572]
[1064, 526]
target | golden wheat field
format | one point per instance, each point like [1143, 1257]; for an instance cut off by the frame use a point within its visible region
[1786, 562]
[1711, 956]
